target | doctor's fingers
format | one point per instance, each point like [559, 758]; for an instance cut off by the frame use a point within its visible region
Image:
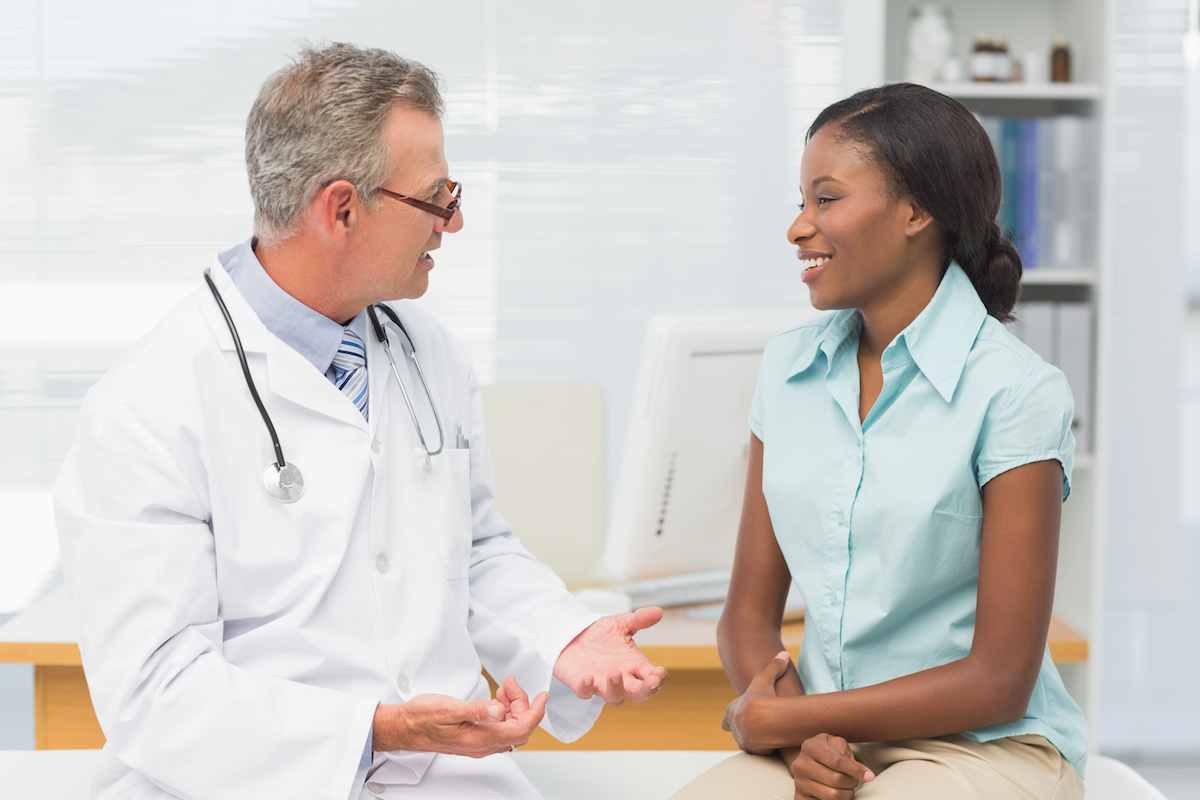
[612, 689]
[640, 688]
[487, 740]
[483, 739]
[642, 618]
[484, 711]
[653, 677]
[514, 698]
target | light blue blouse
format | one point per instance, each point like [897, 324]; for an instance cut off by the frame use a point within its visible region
[880, 522]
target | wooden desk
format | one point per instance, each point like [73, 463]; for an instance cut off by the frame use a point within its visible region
[686, 715]
[44, 635]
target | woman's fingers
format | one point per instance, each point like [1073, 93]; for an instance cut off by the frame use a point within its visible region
[827, 769]
[764, 681]
[833, 753]
[730, 710]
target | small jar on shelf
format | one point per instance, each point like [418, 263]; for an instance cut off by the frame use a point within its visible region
[990, 61]
[1060, 61]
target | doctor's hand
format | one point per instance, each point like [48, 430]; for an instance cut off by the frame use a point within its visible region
[437, 723]
[603, 660]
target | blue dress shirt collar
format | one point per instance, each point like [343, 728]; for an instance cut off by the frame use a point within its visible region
[308, 332]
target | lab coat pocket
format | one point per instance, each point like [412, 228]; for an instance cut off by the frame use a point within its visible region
[449, 486]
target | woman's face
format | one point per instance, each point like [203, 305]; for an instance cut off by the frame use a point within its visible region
[853, 237]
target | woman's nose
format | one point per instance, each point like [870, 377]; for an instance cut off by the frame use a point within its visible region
[800, 229]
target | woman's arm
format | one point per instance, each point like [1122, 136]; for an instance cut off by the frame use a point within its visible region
[992, 684]
[748, 636]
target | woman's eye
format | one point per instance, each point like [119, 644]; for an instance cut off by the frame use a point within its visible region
[823, 200]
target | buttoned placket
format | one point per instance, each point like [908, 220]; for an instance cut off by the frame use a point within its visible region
[843, 381]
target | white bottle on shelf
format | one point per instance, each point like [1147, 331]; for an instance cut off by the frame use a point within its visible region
[930, 43]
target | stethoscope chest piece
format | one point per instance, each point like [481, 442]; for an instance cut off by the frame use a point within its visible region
[285, 485]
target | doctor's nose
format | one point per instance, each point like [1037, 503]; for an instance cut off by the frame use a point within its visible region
[454, 224]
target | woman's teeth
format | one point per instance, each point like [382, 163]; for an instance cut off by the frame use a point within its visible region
[809, 263]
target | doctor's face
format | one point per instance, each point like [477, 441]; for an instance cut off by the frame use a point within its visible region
[396, 241]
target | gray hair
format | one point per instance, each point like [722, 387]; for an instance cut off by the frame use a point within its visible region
[321, 119]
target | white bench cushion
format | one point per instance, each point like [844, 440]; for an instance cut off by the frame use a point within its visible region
[558, 775]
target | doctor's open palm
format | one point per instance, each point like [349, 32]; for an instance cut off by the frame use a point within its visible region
[437, 723]
[603, 660]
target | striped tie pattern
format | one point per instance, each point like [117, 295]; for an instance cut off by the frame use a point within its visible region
[350, 370]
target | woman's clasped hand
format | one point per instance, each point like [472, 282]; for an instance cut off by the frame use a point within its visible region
[748, 717]
[824, 767]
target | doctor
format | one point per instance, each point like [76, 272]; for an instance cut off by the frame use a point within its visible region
[239, 644]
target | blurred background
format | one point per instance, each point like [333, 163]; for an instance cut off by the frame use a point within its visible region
[622, 158]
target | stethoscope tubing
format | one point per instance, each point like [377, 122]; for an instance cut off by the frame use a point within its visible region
[381, 334]
[280, 461]
[286, 484]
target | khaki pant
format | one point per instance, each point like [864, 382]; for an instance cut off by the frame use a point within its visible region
[945, 768]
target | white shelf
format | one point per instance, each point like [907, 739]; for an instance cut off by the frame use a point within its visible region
[1054, 276]
[1019, 91]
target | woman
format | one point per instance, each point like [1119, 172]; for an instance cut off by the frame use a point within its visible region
[908, 463]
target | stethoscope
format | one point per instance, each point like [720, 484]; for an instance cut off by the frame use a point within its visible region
[284, 481]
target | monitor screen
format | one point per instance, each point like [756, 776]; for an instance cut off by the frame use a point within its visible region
[683, 473]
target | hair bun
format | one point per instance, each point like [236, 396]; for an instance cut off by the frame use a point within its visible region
[1003, 274]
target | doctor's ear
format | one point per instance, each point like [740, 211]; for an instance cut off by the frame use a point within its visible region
[337, 206]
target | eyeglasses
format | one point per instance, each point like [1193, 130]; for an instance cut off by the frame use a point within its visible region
[446, 213]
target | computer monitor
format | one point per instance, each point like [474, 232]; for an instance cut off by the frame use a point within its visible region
[683, 472]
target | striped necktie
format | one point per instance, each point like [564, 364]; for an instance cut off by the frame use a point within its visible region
[350, 370]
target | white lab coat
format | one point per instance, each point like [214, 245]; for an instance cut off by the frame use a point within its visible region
[236, 646]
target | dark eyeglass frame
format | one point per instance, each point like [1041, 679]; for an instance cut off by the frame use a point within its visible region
[446, 213]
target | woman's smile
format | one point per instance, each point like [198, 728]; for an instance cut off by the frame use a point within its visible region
[813, 264]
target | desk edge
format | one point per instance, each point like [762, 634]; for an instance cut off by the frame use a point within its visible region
[42, 654]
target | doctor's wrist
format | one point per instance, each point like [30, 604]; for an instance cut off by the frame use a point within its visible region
[391, 730]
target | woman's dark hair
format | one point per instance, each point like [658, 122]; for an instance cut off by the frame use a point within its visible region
[931, 149]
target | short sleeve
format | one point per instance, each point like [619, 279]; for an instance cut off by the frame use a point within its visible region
[1033, 425]
[756, 419]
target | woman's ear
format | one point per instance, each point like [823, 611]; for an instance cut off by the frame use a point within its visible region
[919, 220]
